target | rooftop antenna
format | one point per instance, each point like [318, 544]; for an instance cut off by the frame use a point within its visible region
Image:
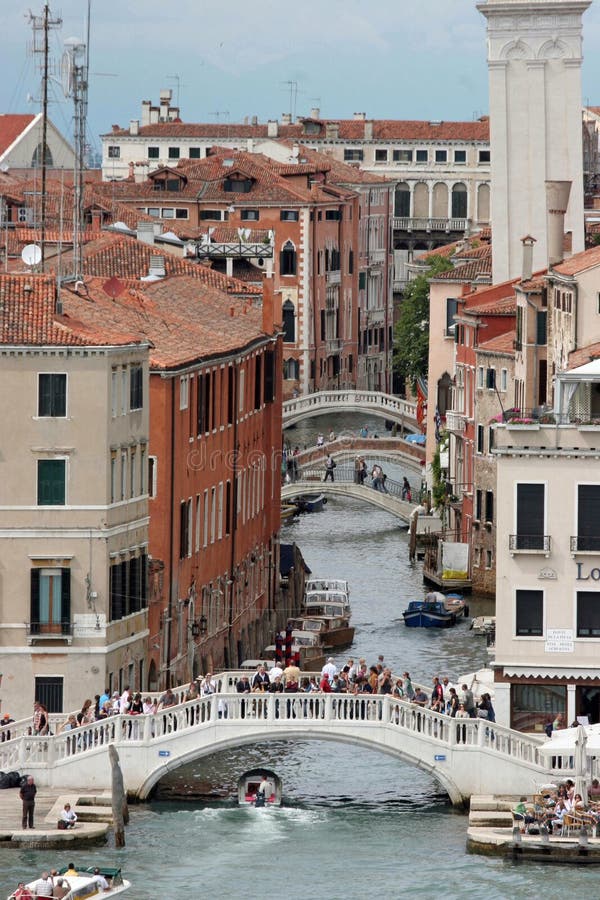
[177, 80]
[220, 112]
[293, 86]
[74, 72]
[41, 26]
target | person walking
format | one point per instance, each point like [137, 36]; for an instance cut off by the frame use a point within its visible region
[27, 795]
[406, 492]
[330, 465]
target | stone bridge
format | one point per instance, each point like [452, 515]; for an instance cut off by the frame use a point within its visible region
[395, 409]
[470, 756]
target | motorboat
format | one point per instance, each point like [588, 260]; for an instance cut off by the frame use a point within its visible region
[306, 647]
[334, 631]
[326, 603]
[483, 624]
[84, 884]
[250, 788]
[327, 584]
[309, 503]
[436, 610]
[288, 512]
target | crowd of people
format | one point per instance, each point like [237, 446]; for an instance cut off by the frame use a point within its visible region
[556, 809]
[51, 884]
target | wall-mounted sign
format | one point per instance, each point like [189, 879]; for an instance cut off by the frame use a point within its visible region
[547, 574]
[440, 757]
[559, 640]
[164, 752]
[587, 574]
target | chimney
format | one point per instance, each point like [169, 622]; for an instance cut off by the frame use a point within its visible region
[272, 128]
[360, 116]
[557, 200]
[134, 126]
[315, 113]
[153, 115]
[254, 120]
[286, 118]
[146, 104]
[145, 232]
[527, 269]
[369, 130]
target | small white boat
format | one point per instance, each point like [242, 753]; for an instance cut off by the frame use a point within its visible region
[259, 787]
[327, 584]
[81, 886]
[335, 602]
[483, 624]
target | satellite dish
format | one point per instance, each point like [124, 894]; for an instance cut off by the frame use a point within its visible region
[31, 254]
[66, 73]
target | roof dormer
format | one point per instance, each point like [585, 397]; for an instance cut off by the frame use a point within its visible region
[167, 179]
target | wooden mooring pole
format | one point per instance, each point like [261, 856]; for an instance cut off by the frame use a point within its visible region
[120, 810]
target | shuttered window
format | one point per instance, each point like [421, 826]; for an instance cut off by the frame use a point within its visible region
[529, 613]
[588, 614]
[51, 482]
[530, 516]
[52, 395]
[588, 517]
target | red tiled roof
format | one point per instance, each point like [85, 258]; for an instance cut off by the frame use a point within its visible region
[182, 319]
[502, 343]
[482, 252]
[505, 306]
[348, 129]
[468, 271]
[583, 355]
[580, 262]
[11, 126]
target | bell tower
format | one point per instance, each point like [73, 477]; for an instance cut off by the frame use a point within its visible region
[534, 63]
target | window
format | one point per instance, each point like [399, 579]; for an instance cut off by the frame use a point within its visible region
[269, 380]
[123, 474]
[489, 558]
[289, 215]
[460, 157]
[480, 438]
[287, 259]
[381, 155]
[220, 511]
[195, 153]
[153, 211]
[136, 387]
[242, 391]
[350, 262]
[540, 327]
[441, 156]
[529, 620]
[249, 215]
[185, 529]
[459, 201]
[490, 379]
[132, 471]
[49, 692]
[114, 152]
[167, 212]
[478, 505]
[51, 482]
[588, 614]
[124, 382]
[237, 185]
[52, 395]
[403, 156]
[489, 506]
[113, 476]
[213, 514]
[205, 532]
[530, 516]
[503, 380]
[184, 391]
[333, 215]
[353, 154]
[484, 156]
[490, 438]
[422, 156]
[258, 383]
[212, 214]
[153, 152]
[181, 213]
[50, 607]
[532, 707]
[152, 476]
[451, 311]
[142, 470]
[198, 524]
[203, 400]
[113, 393]
[289, 322]
[402, 201]
[588, 517]
[480, 376]
[174, 152]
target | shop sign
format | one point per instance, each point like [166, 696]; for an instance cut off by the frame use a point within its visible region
[589, 575]
[559, 640]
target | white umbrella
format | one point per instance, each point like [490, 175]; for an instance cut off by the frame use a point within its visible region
[581, 763]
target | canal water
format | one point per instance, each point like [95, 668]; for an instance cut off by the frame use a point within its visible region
[355, 823]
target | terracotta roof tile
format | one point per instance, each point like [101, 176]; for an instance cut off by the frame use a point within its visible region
[11, 126]
[468, 271]
[502, 343]
[580, 262]
[583, 355]
[504, 306]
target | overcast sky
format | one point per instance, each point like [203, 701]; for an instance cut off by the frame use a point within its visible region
[411, 59]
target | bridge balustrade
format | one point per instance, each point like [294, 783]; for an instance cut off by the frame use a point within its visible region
[311, 404]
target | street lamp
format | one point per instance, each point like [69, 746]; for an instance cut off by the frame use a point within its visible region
[198, 626]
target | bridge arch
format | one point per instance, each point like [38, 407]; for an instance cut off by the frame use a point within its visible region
[317, 733]
[395, 409]
[390, 503]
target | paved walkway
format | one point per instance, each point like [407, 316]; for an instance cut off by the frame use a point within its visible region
[48, 804]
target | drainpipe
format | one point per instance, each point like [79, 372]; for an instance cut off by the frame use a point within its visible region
[172, 536]
[234, 493]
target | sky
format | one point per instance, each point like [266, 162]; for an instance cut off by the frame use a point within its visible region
[400, 59]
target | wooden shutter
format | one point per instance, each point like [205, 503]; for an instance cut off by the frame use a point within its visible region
[530, 612]
[65, 600]
[59, 395]
[530, 516]
[34, 606]
[588, 517]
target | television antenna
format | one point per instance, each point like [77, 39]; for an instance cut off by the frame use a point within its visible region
[74, 78]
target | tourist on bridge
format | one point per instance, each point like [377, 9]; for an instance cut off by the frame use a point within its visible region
[329, 669]
[208, 686]
[467, 699]
[27, 795]
[364, 432]
[4, 729]
[330, 465]
[261, 680]
[407, 686]
[406, 492]
[377, 478]
[357, 470]
[320, 440]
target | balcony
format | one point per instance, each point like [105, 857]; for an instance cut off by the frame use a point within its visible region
[585, 544]
[529, 543]
[38, 632]
[334, 345]
[455, 422]
[233, 249]
[376, 257]
[334, 277]
[401, 223]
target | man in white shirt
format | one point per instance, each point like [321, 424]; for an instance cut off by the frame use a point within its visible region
[208, 686]
[44, 886]
[100, 880]
[446, 685]
[275, 671]
[68, 816]
[125, 701]
[329, 669]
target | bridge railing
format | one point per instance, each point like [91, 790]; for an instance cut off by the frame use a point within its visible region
[346, 475]
[327, 399]
[273, 710]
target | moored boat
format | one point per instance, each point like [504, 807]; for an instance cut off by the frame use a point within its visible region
[259, 787]
[288, 512]
[436, 611]
[326, 603]
[89, 882]
[327, 584]
[308, 503]
[334, 631]
[305, 647]
[483, 624]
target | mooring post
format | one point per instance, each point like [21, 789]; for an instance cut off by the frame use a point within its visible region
[120, 810]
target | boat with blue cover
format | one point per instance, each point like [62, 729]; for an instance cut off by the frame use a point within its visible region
[436, 610]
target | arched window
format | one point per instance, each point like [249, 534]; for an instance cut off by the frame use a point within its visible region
[289, 322]
[444, 387]
[459, 201]
[402, 201]
[287, 259]
[291, 369]
[421, 201]
[36, 159]
[483, 204]
[440, 201]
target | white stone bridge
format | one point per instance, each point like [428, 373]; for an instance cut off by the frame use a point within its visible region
[395, 409]
[365, 493]
[466, 757]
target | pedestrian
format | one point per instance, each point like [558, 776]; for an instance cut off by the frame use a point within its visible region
[357, 470]
[377, 478]
[4, 730]
[68, 816]
[363, 472]
[406, 492]
[468, 701]
[320, 440]
[407, 686]
[330, 465]
[27, 795]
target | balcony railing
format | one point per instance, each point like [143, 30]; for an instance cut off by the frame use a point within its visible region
[402, 223]
[48, 631]
[455, 422]
[334, 277]
[585, 543]
[529, 543]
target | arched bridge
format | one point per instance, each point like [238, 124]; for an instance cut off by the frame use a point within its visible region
[467, 756]
[390, 503]
[395, 409]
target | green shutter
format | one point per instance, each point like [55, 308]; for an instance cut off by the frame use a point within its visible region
[51, 482]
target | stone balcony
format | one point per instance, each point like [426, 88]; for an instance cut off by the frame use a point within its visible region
[455, 422]
[547, 438]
